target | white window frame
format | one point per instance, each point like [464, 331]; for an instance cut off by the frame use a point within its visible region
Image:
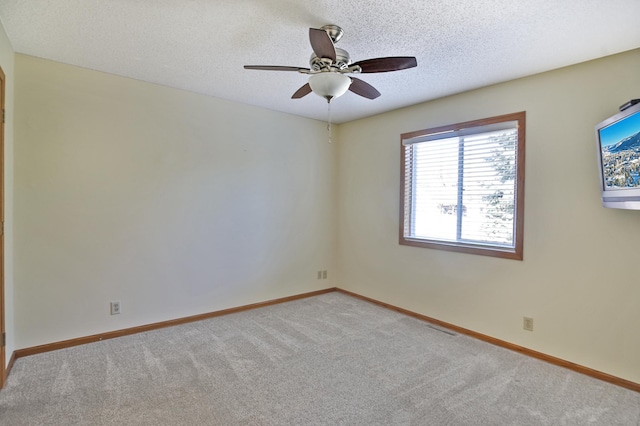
[407, 188]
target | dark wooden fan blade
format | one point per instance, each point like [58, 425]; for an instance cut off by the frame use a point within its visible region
[363, 88]
[273, 68]
[390, 63]
[303, 91]
[321, 44]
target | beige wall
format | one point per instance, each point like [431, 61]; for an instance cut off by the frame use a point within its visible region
[7, 64]
[579, 278]
[173, 203]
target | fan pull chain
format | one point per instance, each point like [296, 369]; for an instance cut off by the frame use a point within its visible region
[329, 122]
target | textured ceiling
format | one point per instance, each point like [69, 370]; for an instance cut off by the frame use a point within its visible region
[202, 45]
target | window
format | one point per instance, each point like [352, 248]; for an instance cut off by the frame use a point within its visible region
[463, 187]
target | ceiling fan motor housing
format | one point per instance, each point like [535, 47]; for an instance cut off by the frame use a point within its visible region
[342, 61]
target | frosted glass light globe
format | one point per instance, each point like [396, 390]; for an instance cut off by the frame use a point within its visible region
[329, 85]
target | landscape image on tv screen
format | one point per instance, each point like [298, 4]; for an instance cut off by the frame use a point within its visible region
[620, 145]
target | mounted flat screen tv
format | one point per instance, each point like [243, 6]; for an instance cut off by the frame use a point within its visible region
[619, 159]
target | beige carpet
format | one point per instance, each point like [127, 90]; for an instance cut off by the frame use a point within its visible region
[326, 360]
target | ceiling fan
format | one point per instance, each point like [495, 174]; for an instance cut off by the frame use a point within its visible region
[329, 64]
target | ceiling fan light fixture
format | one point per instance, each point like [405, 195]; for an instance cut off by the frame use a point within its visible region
[329, 85]
[329, 64]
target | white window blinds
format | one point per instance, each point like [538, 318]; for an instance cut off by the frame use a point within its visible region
[460, 186]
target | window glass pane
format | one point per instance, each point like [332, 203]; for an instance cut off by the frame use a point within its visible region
[489, 188]
[435, 189]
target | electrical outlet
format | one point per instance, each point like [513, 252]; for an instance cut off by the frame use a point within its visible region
[324, 275]
[527, 323]
[115, 308]
[319, 275]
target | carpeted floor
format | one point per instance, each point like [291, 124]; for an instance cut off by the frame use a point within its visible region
[326, 360]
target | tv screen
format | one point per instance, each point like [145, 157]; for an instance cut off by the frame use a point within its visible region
[619, 159]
